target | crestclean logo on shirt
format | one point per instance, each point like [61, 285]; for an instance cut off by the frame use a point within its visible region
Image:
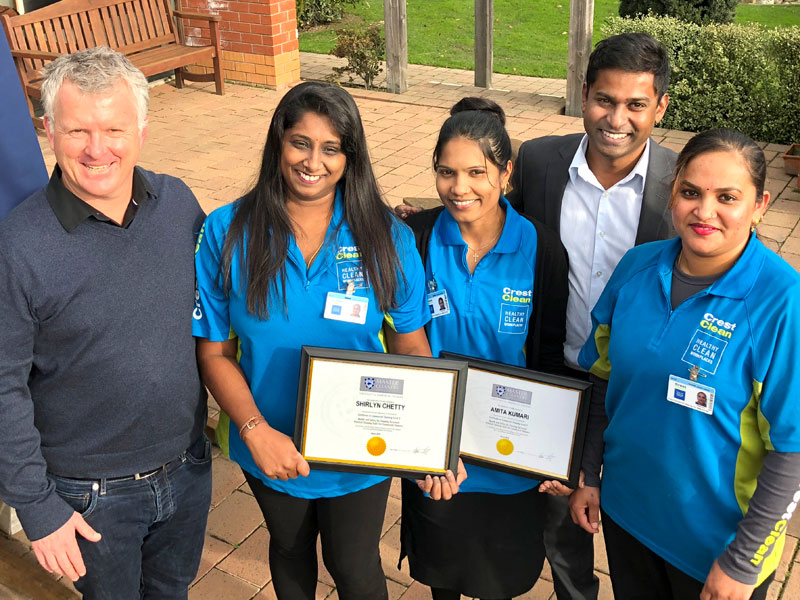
[719, 326]
[520, 296]
[348, 252]
[197, 313]
[515, 310]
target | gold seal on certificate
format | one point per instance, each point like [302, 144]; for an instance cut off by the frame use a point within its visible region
[379, 413]
[524, 422]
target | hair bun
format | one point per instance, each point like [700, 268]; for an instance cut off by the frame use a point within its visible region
[482, 104]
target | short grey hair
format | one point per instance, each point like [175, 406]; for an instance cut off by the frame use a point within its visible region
[94, 71]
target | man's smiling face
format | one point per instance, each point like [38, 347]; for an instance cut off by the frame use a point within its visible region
[619, 113]
[96, 140]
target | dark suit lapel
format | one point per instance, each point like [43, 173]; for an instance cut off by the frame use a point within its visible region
[556, 179]
[655, 221]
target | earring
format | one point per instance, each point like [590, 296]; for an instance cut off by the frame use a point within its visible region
[756, 222]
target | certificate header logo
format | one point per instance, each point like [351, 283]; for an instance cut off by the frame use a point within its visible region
[512, 394]
[383, 385]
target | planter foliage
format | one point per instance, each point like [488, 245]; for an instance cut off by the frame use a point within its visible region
[363, 48]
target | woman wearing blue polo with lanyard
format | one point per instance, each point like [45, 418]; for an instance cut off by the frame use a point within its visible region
[313, 228]
[479, 252]
[698, 431]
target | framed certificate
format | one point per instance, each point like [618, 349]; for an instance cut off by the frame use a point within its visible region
[523, 422]
[376, 413]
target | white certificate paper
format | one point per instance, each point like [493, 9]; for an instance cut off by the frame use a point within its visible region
[519, 423]
[378, 415]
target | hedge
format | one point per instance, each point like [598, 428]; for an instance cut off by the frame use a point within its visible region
[742, 77]
[701, 12]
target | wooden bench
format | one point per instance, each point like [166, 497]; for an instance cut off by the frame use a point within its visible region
[144, 30]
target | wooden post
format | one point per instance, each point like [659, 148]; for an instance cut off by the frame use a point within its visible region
[581, 15]
[394, 17]
[484, 42]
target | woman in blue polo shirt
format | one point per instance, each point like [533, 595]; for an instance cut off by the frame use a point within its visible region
[313, 228]
[479, 252]
[698, 433]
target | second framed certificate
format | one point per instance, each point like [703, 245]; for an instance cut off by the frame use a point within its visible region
[378, 413]
[523, 422]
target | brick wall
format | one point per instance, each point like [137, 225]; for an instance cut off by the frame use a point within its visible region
[259, 39]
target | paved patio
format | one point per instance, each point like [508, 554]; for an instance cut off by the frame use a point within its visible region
[214, 144]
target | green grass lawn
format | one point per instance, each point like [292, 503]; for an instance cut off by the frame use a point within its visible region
[529, 35]
[771, 16]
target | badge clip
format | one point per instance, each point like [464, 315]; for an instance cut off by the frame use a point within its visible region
[694, 373]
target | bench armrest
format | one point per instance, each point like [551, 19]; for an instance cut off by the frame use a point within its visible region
[193, 15]
[36, 54]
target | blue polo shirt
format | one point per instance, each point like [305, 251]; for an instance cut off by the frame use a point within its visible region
[490, 310]
[677, 479]
[270, 349]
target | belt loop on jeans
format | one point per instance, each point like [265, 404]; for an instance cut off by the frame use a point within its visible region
[103, 487]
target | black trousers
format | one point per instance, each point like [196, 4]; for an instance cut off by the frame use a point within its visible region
[569, 548]
[349, 527]
[570, 552]
[638, 573]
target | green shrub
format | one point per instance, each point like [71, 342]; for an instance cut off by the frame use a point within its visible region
[319, 12]
[363, 49]
[701, 12]
[741, 77]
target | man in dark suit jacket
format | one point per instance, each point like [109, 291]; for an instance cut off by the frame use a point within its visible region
[603, 191]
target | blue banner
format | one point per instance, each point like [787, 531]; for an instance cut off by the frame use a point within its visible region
[22, 169]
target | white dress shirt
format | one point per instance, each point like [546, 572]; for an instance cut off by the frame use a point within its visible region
[598, 227]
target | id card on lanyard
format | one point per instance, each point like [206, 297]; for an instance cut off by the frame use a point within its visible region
[438, 302]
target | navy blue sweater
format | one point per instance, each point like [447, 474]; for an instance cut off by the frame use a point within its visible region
[98, 376]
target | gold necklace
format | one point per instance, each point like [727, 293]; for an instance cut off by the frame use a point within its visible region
[476, 253]
[313, 256]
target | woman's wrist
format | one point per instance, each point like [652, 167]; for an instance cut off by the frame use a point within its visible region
[251, 424]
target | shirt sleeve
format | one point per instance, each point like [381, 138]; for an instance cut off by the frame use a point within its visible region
[594, 444]
[594, 354]
[777, 378]
[767, 518]
[411, 312]
[211, 317]
[23, 472]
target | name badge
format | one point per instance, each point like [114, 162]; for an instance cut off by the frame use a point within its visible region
[344, 307]
[691, 394]
[438, 303]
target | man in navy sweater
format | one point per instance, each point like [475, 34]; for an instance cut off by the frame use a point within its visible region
[103, 453]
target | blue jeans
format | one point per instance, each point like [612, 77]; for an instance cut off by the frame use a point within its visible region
[153, 528]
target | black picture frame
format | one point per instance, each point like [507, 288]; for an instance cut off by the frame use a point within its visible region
[405, 363]
[584, 390]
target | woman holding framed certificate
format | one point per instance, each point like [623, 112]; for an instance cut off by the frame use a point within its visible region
[497, 289]
[698, 433]
[309, 256]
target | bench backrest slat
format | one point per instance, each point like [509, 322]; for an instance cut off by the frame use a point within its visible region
[97, 29]
[133, 24]
[141, 30]
[116, 26]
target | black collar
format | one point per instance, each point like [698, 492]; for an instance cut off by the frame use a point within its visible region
[71, 211]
